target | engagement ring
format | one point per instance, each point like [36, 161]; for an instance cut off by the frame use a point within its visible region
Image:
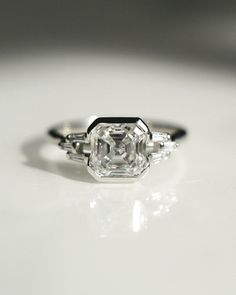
[117, 149]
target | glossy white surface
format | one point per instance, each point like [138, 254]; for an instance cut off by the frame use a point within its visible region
[62, 233]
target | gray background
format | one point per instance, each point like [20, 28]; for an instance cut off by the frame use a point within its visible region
[202, 30]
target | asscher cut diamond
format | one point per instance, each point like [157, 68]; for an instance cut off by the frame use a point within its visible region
[119, 149]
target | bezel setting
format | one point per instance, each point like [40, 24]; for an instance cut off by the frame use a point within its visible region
[118, 149]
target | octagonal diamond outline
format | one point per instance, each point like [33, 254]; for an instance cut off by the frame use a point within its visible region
[112, 121]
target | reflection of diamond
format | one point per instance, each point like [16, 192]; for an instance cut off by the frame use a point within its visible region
[117, 211]
[118, 149]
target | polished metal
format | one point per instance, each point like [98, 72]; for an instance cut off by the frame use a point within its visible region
[78, 140]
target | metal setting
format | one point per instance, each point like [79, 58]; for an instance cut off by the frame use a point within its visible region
[117, 149]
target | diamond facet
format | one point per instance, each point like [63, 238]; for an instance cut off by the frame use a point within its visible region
[118, 149]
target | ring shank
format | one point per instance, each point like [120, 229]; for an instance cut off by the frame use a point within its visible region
[175, 132]
[60, 131]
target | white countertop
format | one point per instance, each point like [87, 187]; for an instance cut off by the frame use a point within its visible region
[62, 233]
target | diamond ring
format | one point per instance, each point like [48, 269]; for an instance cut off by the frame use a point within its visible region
[117, 149]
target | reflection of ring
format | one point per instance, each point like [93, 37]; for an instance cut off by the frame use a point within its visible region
[117, 149]
[117, 211]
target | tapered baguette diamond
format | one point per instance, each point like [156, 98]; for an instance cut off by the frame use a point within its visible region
[118, 149]
[165, 146]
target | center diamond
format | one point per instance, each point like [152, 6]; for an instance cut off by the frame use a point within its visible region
[118, 148]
